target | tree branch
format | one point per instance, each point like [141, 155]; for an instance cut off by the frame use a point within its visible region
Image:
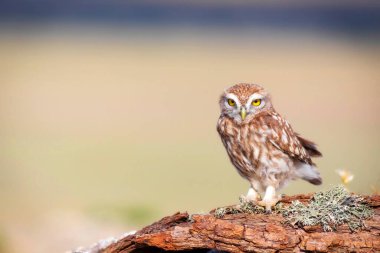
[250, 232]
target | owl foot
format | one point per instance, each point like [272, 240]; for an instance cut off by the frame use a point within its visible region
[244, 199]
[269, 203]
[269, 200]
[252, 196]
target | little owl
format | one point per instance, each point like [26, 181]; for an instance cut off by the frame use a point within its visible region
[262, 145]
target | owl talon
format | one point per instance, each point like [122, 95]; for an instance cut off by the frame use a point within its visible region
[252, 196]
[268, 204]
[270, 199]
[243, 199]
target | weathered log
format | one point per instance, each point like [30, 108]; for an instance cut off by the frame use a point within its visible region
[250, 233]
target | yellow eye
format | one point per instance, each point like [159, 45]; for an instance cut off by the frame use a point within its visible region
[256, 102]
[231, 102]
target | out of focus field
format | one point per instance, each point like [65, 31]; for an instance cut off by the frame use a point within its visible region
[105, 130]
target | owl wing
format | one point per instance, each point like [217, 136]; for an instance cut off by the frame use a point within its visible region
[285, 139]
[310, 146]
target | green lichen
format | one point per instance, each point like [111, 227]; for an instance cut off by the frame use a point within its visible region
[329, 209]
[220, 212]
[244, 207]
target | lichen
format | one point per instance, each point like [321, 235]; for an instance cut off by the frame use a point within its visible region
[243, 207]
[329, 209]
[220, 212]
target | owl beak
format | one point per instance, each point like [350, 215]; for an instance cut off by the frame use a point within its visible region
[243, 113]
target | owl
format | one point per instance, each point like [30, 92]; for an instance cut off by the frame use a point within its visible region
[262, 145]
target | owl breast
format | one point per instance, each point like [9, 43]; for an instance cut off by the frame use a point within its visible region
[252, 154]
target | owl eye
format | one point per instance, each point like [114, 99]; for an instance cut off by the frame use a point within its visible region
[231, 102]
[256, 102]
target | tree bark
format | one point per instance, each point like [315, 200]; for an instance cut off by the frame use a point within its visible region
[249, 233]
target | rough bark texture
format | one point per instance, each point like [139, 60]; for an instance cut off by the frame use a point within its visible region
[249, 233]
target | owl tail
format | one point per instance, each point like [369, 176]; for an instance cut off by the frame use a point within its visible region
[309, 173]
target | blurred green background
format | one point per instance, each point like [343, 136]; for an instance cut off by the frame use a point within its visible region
[108, 110]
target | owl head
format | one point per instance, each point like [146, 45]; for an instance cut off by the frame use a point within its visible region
[243, 101]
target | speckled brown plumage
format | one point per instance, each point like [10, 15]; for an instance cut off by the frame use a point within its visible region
[261, 144]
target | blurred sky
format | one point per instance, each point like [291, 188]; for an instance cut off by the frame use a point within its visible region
[108, 109]
[353, 17]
